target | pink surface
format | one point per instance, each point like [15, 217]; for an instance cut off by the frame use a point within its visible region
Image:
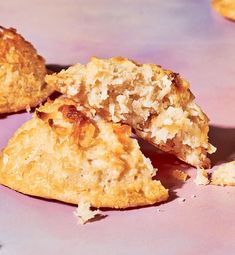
[186, 36]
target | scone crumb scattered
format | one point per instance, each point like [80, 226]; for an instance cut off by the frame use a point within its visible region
[180, 175]
[28, 108]
[224, 175]
[84, 212]
[182, 199]
[202, 177]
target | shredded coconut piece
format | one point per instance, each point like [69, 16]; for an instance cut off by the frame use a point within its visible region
[84, 213]
[202, 177]
[155, 102]
[182, 199]
[28, 108]
[72, 91]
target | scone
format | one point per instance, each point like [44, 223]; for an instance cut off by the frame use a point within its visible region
[225, 8]
[156, 102]
[65, 155]
[224, 175]
[22, 73]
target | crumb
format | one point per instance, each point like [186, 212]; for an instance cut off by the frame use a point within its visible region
[181, 199]
[28, 108]
[202, 177]
[84, 213]
[180, 175]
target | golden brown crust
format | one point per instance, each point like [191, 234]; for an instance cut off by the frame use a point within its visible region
[63, 154]
[22, 73]
[225, 8]
[156, 102]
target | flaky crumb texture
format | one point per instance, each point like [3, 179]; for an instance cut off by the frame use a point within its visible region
[84, 212]
[156, 102]
[63, 154]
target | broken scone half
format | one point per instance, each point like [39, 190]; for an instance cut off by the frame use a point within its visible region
[156, 102]
[65, 155]
[22, 73]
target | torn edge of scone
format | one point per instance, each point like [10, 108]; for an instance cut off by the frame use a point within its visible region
[201, 177]
[84, 213]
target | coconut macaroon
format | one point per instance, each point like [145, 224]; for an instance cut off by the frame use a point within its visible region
[22, 73]
[156, 102]
[62, 154]
[224, 175]
[225, 8]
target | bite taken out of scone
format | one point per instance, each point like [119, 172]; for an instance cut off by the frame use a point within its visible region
[155, 102]
[22, 73]
[63, 153]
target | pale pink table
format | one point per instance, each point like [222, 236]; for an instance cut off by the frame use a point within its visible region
[186, 36]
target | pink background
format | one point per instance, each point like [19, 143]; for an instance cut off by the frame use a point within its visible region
[186, 36]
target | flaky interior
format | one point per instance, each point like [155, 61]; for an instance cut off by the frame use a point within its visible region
[156, 102]
[22, 73]
[63, 154]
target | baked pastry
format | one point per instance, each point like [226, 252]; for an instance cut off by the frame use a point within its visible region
[65, 155]
[224, 175]
[157, 103]
[225, 8]
[22, 73]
